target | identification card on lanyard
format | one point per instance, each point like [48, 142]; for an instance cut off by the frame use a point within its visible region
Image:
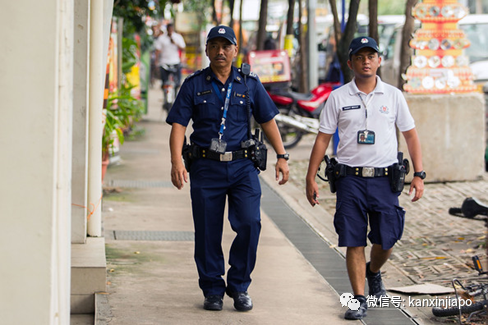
[217, 144]
[366, 136]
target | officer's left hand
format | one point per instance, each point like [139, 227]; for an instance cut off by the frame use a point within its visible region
[282, 167]
[417, 185]
[178, 174]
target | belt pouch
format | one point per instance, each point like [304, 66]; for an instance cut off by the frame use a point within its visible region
[396, 175]
[187, 153]
[334, 172]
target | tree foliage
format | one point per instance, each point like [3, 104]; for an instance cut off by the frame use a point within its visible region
[134, 12]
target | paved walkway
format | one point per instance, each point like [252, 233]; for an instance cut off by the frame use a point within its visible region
[152, 277]
[151, 272]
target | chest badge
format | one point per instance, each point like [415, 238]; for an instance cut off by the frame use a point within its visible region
[384, 109]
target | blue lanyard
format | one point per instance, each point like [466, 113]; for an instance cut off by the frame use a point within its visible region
[226, 106]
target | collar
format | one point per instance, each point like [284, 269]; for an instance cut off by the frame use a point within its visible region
[353, 88]
[234, 75]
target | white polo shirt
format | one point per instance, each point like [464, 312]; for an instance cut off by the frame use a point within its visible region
[386, 107]
[169, 52]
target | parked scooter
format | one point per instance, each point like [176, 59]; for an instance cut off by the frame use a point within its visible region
[299, 112]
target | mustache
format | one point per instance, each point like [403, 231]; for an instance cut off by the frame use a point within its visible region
[219, 57]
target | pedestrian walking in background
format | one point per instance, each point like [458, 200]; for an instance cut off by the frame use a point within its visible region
[366, 111]
[219, 100]
[169, 46]
[154, 73]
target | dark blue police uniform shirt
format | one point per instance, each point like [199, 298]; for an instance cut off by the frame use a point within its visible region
[198, 101]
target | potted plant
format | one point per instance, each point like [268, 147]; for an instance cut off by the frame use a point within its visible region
[111, 130]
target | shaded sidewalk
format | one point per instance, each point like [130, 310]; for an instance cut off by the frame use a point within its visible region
[152, 278]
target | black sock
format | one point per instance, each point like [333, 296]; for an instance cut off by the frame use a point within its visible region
[360, 297]
[369, 272]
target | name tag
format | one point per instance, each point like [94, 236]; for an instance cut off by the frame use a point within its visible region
[347, 108]
[200, 93]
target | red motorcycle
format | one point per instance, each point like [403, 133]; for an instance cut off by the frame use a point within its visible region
[299, 112]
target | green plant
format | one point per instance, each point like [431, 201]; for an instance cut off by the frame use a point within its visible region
[122, 111]
[111, 128]
[129, 109]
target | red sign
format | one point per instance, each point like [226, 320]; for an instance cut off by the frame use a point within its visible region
[270, 66]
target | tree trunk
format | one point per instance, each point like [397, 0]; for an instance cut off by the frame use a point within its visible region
[289, 17]
[263, 20]
[406, 51]
[346, 38]
[373, 20]
[303, 86]
[373, 25]
[337, 24]
[215, 19]
[240, 26]
[231, 9]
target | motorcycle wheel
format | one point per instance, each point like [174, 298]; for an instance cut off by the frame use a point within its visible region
[289, 135]
[452, 311]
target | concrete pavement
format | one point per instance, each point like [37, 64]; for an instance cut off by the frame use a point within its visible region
[155, 281]
[152, 277]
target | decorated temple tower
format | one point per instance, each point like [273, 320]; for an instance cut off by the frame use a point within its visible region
[439, 64]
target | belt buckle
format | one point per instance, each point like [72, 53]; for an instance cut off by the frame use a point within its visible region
[226, 156]
[368, 172]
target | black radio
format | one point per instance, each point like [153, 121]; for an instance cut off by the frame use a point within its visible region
[254, 144]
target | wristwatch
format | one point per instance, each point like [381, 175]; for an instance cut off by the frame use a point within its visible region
[285, 156]
[421, 174]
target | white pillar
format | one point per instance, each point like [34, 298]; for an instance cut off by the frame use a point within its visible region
[61, 258]
[79, 182]
[100, 19]
[35, 137]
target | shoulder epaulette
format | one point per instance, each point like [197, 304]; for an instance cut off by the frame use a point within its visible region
[196, 73]
[251, 74]
[254, 75]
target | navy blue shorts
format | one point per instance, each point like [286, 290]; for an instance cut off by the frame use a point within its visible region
[361, 197]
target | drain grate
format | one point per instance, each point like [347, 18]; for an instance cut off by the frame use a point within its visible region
[138, 184]
[151, 235]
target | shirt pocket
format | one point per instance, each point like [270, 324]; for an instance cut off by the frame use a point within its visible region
[207, 108]
[238, 109]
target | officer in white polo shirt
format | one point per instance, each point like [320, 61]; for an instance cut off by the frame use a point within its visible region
[366, 112]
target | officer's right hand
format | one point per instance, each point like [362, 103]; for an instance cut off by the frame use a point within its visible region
[178, 174]
[312, 192]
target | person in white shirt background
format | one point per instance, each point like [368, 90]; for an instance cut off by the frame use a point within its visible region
[169, 47]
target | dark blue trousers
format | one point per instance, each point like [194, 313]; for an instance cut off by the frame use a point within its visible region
[212, 182]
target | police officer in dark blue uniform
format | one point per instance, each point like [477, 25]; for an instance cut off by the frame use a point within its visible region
[215, 100]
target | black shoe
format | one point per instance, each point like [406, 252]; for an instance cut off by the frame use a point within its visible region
[213, 303]
[361, 312]
[376, 286]
[242, 301]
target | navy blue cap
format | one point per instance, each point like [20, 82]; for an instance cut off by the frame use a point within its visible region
[222, 31]
[362, 42]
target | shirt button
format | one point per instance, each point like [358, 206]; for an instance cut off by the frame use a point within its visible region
[204, 101]
[241, 101]
[223, 89]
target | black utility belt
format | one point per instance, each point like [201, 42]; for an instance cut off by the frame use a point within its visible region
[228, 156]
[366, 171]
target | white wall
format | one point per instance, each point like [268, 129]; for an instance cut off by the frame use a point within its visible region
[35, 169]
